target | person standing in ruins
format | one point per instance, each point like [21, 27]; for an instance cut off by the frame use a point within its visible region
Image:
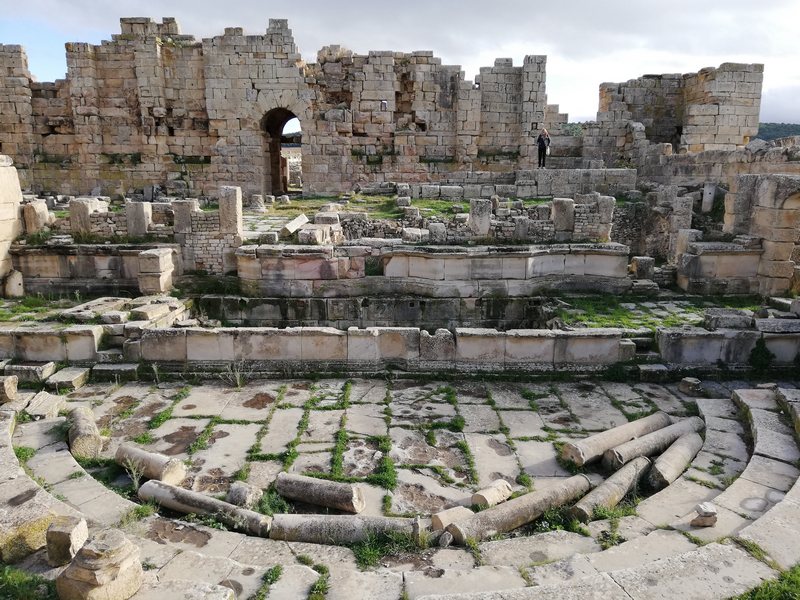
[543, 143]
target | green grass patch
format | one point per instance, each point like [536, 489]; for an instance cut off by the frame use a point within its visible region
[272, 503]
[786, 587]
[269, 578]
[379, 545]
[472, 472]
[16, 584]
[137, 514]
[24, 454]
[144, 438]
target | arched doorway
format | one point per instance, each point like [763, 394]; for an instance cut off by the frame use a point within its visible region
[279, 147]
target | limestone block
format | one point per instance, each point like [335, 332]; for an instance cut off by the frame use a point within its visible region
[106, 567]
[210, 344]
[151, 465]
[439, 346]
[155, 260]
[156, 283]
[437, 233]
[82, 342]
[182, 210]
[292, 226]
[451, 191]
[397, 343]
[563, 214]
[68, 379]
[8, 388]
[140, 218]
[426, 268]
[65, 536]
[498, 491]
[168, 345]
[414, 235]
[486, 346]
[530, 346]
[36, 216]
[40, 345]
[264, 343]
[605, 265]
[643, 267]
[396, 266]
[31, 372]
[230, 210]
[593, 347]
[45, 406]
[326, 218]
[480, 216]
[13, 285]
[323, 343]
[314, 234]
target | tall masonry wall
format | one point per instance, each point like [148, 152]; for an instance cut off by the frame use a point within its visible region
[153, 106]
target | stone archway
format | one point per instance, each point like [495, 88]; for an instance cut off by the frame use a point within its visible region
[275, 173]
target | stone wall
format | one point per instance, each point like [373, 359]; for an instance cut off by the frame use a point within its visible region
[313, 349]
[317, 271]
[643, 121]
[10, 199]
[86, 268]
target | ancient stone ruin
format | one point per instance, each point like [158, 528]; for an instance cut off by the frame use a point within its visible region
[388, 356]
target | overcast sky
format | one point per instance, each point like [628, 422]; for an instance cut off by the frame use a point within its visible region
[587, 42]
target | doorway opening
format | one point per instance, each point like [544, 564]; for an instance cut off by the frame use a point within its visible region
[282, 157]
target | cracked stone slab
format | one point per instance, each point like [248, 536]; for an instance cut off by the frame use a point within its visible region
[715, 571]
[282, 429]
[539, 548]
[479, 418]
[748, 498]
[722, 408]
[442, 581]
[674, 501]
[523, 423]
[777, 533]
[494, 458]
[728, 524]
[641, 550]
[538, 459]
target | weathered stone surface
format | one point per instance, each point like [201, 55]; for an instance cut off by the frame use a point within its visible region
[537, 549]
[65, 536]
[243, 494]
[713, 571]
[151, 464]
[84, 436]
[107, 567]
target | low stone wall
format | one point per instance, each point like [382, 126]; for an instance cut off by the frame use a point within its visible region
[731, 345]
[91, 268]
[713, 268]
[315, 348]
[328, 271]
[531, 184]
[379, 311]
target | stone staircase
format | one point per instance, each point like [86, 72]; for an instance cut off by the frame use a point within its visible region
[657, 560]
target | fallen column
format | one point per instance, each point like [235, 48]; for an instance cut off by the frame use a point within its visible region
[186, 501]
[443, 518]
[320, 492]
[609, 493]
[669, 466]
[84, 437]
[150, 464]
[336, 529]
[497, 492]
[592, 448]
[519, 511]
[650, 444]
